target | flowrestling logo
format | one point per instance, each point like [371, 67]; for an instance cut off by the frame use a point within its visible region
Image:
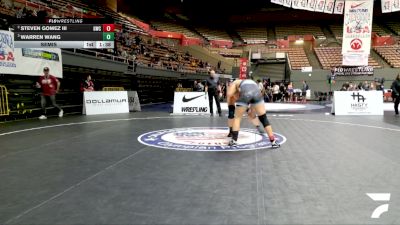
[206, 139]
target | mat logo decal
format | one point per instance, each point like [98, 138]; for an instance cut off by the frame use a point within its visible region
[379, 197]
[206, 139]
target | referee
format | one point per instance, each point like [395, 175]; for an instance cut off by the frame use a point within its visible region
[212, 83]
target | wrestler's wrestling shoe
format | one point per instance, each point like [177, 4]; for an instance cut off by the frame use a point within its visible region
[232, 143]
[274, 144]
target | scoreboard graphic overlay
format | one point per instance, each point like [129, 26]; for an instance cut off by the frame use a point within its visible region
[65, 33]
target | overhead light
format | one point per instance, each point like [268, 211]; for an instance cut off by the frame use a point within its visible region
[299, 42]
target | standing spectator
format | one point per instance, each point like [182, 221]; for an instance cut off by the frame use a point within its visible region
[372, 86]
[365, 86]
[275, 92]
[87, 84]
[211, 88]
[305, 86]
[290, 91]
[282, 92]
[50, 85]
[304, 91]
[352, 87]
[396, 94]
[260, 86]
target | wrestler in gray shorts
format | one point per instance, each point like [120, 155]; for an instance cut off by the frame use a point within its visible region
[249, 94]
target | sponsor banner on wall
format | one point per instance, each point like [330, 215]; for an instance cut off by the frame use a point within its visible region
[303, 4]
[311, 5]
[354, 71]
[329, 5]
[192, 103]
[287, 3]
[395, 5]
[386, 6]
[243, 68]
[134, 103]
[357, 27]
[339, 6]
[27, 61]
[105, 102]
[358, 103]
[320, 6]
[296, 4]
[279, 2]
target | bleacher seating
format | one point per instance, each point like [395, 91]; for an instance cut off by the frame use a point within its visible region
[253, 35]
[283, 31]
[337, 31]
[395, 26]
[297, 56]
[127, 26]
[379, 30]
[332, 57]
[391, 54]
[159, 55]
[174, 27]
[229, 53]
[213, 34]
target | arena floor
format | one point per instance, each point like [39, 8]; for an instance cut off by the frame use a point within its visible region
[98, 170]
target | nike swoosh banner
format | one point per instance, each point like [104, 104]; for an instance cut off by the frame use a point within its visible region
[184, 99]
[357, 30]
[191, 103]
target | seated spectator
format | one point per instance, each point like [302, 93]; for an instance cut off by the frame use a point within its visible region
[366, 86]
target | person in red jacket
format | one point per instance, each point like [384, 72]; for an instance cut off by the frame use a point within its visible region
[88, 84]
[50, 86]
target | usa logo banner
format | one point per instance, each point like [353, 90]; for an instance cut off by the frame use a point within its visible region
[27, 61]
[357, 29]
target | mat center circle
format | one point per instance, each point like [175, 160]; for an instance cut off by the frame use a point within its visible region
[206, 139]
